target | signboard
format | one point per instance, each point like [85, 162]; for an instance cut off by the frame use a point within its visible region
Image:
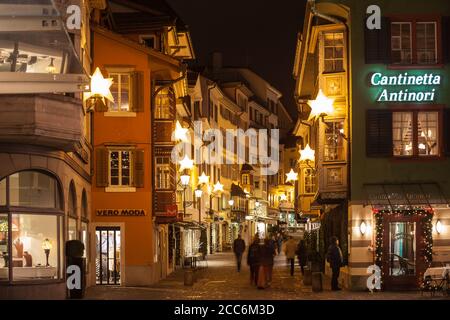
[171, 210]
[121, 213]
[406, 87]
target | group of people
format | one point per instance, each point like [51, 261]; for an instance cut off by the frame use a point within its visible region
[261, 253]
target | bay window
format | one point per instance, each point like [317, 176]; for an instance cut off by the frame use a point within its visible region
[163, 173]
[333, 52]
[334, 141]
[309, 181]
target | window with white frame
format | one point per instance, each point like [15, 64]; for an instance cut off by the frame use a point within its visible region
[120, 90]
[162, 173]
[120, 168]
[334, 141]
[401, 42]
[426, 42]
[309, 185]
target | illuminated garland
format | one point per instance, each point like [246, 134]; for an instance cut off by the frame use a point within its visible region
[427, 233]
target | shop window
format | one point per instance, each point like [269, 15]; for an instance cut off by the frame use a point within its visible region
[33, 189]
[121, 92]
[163, 173]
[3, 192]
[334, 141]
[120, 168]
[4, 256]
[402, 246]
[415, 133]
[333, 52]
[309, 183]
[165, 104]
[84, 225]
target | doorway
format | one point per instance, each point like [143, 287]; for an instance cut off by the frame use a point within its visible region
[108, 256]
[402, 259]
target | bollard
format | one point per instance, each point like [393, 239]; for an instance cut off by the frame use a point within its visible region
[317, 282]
[188, 277]
[307, 281]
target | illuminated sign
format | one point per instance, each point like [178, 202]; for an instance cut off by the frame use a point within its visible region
[121, 212]
[423, 91]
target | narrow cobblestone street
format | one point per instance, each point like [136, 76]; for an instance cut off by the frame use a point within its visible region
[221, 281]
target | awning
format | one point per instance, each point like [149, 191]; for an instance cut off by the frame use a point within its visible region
[405, 196]
[189, 225]
[236, 191]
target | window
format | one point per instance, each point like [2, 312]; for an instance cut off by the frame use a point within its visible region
[334, 141]
[148, 41]
[72, 213]
[415, 133]
[35, 239]
[414, 42]
[120, 168]
[120, 90]
[3, 192]
[245, 179]
[162, 173]
[165, 104]
[309, 181]
[256, 184]
[333, 52]
[401, 44]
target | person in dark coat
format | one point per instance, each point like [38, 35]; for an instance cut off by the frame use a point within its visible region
[253, 260]
[279, 243]
[238, 249]
[302, 255]
[268, 258]
[335, 259]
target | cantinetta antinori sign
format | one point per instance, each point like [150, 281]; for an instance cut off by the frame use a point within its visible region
[404, 87]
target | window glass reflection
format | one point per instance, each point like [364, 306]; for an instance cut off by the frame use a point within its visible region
[402, 246]
[4, 257]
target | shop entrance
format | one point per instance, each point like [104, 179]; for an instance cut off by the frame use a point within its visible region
[402, 257]
[108, 255]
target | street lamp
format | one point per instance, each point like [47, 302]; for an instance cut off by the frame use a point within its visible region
[185, 179]
[198, 194]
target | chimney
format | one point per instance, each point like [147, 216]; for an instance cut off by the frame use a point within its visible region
[216, 61]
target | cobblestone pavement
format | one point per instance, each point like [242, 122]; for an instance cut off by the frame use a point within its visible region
[221, 281]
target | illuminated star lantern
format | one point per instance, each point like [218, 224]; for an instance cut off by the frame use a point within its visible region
[100, 87]
[291, 176]
[186, 164]
[218, 187]
[321, 106]
[203, 179]
[307, 154]
[283, 197]
[180, 132]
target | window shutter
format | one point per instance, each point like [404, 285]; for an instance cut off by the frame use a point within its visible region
[379, 133]
[378, 43]
[447, 131]
[137, 94]
[138, 168]
[101, 160]
[445, 41]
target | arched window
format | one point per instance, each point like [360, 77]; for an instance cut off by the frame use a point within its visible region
[72, 213]
[31, 201]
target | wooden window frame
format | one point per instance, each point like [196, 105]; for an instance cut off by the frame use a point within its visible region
[120, 185]
[414, 20]
[313, 184]
[415, 110]
[130, 89]
[168, 186]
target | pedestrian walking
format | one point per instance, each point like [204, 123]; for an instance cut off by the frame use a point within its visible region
[302, 255]
[289, 250]
[279, 243]
[238, 249]
[268, 259]
[335, 259]
[253, 260]
[264, 258]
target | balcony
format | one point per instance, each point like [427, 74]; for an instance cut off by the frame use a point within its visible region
[49, 120]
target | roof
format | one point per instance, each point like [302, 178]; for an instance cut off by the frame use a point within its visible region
[236, 191]
[247, 167]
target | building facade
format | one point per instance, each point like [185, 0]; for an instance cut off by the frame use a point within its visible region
[381, 157]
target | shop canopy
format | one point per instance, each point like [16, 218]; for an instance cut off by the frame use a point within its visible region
[405, 196]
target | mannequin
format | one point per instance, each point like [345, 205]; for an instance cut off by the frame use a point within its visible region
[28, 259]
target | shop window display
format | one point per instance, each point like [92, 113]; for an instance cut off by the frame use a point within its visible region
[34, 236]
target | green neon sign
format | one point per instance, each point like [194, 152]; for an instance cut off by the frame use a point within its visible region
[404, 87]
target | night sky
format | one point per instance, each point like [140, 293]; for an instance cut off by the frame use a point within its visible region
[260, 34]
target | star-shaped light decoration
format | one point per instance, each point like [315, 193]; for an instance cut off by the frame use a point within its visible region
[186, 163]
[180, 132]
[283, 197]
[203, 179]
[291, 176]
[307, 154]
[321, 106]
[218, 187]
[100, 87]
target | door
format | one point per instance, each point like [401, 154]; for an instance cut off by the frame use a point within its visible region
[402, 258]
[108, 257]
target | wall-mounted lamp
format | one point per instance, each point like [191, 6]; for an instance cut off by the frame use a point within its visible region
[363, 228]
[439, 227]
[99, 91]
